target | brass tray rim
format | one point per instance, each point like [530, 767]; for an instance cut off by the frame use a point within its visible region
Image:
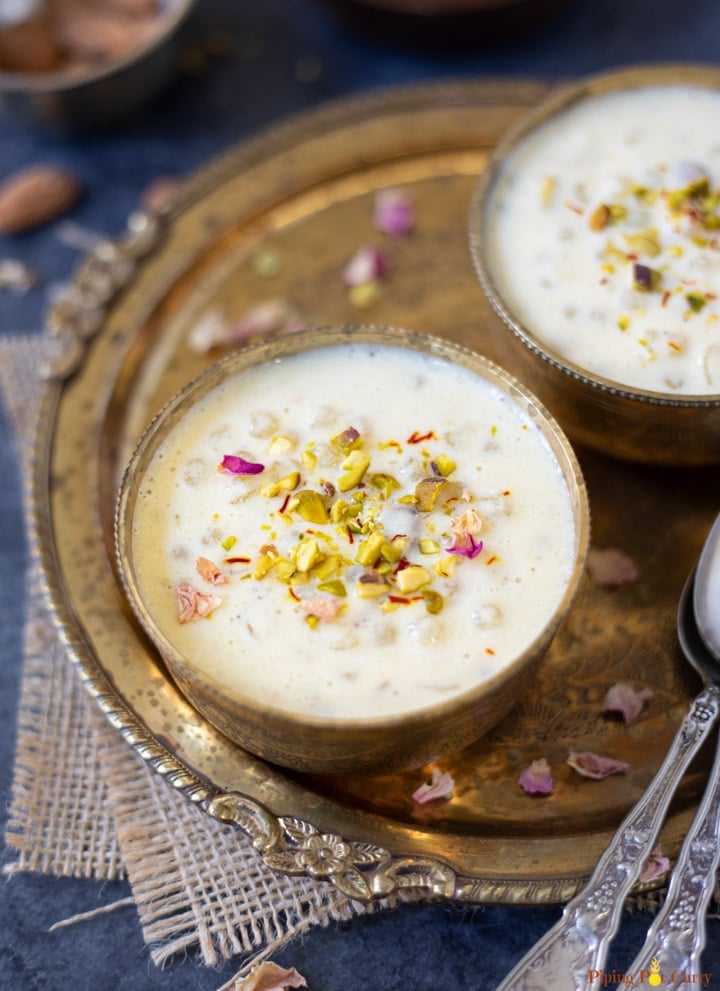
[362, 870]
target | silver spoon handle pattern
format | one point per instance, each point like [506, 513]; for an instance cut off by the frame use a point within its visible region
[676, 938]
[565, 958]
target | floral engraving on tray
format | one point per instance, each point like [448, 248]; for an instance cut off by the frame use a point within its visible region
[360, 870]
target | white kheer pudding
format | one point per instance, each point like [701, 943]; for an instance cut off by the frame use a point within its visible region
[353, 531]
[603, 237]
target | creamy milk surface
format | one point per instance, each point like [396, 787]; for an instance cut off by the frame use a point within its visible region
[353, 531]
[604, 238]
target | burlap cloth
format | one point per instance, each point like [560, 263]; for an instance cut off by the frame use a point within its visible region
[85, 805]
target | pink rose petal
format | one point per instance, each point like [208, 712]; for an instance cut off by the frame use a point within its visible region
[325, 609]
[208, 570]
[595, 766]
[465, 528]
[655, 866]
[366, 265]
[610, 567]
[537, 779]
[231, 464]
[271, 977]
[466, 545]
[274, 316]
[625, 700]
[440, 786]
[394, 212]
[193, 604]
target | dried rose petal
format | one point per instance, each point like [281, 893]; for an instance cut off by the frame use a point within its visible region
[611, 568]
[271, 977]
[325, 609]
[466, 545]
[440, 786]
[595, 766]
[625, 700]
[537, 779]
[193, 604]
[366, 265]
[655, 866]
[274, 316]
[467, 522]
[394, 212]
[208, 570]
[233, 465]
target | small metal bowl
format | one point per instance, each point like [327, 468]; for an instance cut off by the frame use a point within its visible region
[620, 420]
[329, 745]
[103, 94]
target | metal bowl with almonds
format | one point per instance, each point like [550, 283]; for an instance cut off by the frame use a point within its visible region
[80, 64]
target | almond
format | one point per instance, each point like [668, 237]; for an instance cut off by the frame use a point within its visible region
[34, 196]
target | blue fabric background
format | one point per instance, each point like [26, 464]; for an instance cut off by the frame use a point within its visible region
[425, 948]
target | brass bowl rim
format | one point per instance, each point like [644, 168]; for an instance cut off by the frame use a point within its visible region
[67, 80]
[327, 336]
[599, 84]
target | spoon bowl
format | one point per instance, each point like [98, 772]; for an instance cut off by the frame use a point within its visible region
[706, 595]
[695, 646]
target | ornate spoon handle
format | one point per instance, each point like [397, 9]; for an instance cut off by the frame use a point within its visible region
[566, 957]
[677, 936]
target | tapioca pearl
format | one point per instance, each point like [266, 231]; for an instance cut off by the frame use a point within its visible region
[195, 471]
[263, 424]
[427, 631]
[385, 633]
[487, 616]
[345, 641]
[326, 456]
[711, 365]
[213, 535]
[219, 433]
[493, 503]
[683, 173]
[611, 189]
[322, 416]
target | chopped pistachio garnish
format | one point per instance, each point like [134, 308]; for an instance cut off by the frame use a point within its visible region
[599, 218]
[644, 278]
[412, 578]
[345, 528]
[433, 600]
[310, 505]
[443, 465]
[427, 492]
[286, 484]
[371, 585]
[355, 466]
[696, 301]
[547, 189]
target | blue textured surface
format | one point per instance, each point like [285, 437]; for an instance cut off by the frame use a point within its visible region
[418, 947]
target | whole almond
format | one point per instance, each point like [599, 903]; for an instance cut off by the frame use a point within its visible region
[34, 196]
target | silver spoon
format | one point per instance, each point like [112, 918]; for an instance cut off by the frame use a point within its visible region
[676, 938]
[568, 956]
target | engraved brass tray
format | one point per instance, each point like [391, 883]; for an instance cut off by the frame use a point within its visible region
[304, 191]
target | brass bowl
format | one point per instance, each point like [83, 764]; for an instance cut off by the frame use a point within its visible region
[101, 94]
[337, 746]
[616, 419]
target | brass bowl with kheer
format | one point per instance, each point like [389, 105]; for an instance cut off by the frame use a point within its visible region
[595, 233]
[331, 538]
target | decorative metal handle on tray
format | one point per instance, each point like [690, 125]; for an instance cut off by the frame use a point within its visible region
[566, 957]
[676, 938]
